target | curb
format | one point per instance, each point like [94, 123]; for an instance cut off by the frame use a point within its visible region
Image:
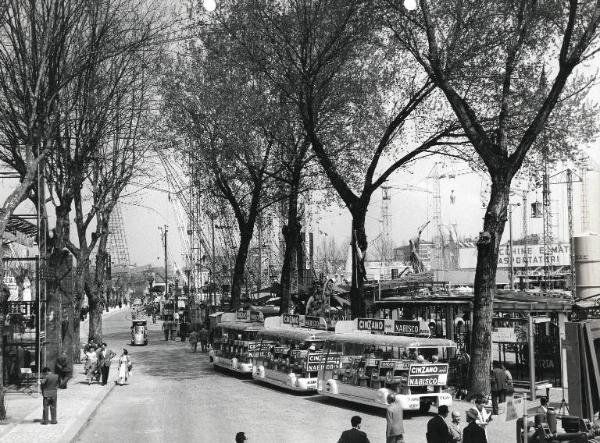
[74, 431]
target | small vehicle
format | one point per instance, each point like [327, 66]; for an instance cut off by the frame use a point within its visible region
[139, 332]
[234, 340]
[290, 356]
[367, 366]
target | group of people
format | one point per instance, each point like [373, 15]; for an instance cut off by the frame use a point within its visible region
[200, 336]
[438, 429]
[98, 360]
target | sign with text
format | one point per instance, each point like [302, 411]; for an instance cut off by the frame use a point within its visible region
[530, 255]
[514, 406]
[370, 324]
[428, 375]
[504, 335]
[291, 319]
[315, 322]
[407, 327]
[242, 315]
[316, 362]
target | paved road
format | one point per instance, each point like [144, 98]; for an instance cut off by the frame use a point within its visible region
[176, 396]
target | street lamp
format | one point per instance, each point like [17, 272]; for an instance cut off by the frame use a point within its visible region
[209, 5]
[411, 5]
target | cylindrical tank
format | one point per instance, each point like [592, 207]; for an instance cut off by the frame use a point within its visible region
[587, 265]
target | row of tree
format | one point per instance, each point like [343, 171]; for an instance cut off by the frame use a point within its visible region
[272, 98]
[76, 85]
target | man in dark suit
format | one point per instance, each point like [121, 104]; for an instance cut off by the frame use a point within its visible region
[104, 361]
[354, 435]
[498, 380]
[473, 433]
[49, 384]
[437, 428]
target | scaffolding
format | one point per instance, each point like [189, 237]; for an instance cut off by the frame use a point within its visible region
[117, 241]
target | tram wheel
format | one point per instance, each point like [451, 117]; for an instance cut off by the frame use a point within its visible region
[424, 407]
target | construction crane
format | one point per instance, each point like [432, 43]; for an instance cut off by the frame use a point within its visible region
[568, 177]
[438, 260]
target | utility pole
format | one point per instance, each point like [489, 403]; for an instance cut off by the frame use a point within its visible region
[213, 295]
[259, 280]
[165, 230]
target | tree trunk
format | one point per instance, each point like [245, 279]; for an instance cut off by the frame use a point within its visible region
[488, 247]
[240, 264]
[60, 289]
[82, 273]
[97, 299]
[359, 249]
[291, 233]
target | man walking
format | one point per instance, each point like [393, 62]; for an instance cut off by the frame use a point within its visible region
[49, 385]
[63, 369]
[454, 428]
[105, 361]
[354, 435]
[166, 329]
[437, 428]
[498, 380]
[203, 339]
[394, 420]
[194, 340]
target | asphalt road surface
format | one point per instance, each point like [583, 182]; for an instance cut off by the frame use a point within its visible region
[175, 395]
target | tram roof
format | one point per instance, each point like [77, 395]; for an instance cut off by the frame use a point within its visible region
[295, 333]
[391, 340]
[240, 326]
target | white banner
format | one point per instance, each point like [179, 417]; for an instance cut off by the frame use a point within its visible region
[533, 255]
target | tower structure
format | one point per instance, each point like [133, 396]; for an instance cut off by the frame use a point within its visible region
[548, 236]
[386, 224]
[117, 241]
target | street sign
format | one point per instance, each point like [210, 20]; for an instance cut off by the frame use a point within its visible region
[504, 335]
[371, 324]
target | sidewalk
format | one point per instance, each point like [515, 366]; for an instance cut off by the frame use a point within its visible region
[76, 406]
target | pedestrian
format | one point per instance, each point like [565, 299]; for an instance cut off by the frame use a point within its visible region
[194, 340]
[49, 383]
[394, 421]
[91, 363]
[510, 388]
[124, 367]
[63, 369]
[105, 362]
[166, 329]
[437, 428]
[473, 433]
[483, 416]
[183, 329]
[240, 437]
[173, 325]
[203, 336]
[354, 435]
[454, 428]
[464, 360]
[498, 381]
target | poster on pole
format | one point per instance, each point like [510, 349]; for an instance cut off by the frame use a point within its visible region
[513, 407]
